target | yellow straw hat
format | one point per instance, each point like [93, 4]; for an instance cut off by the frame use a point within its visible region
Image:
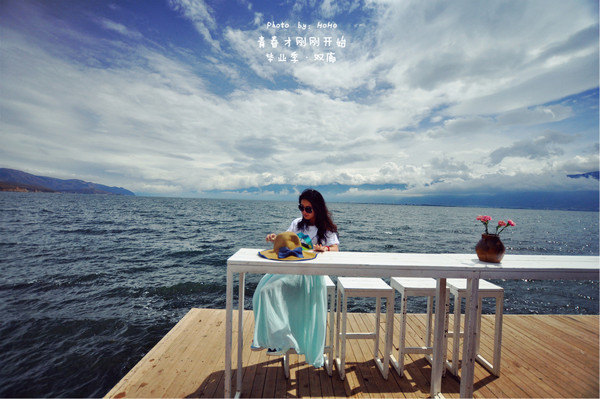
[287, 246]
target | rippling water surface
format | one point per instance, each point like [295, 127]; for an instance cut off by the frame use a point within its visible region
[90, 283]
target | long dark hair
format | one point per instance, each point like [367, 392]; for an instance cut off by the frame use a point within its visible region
[323, 220]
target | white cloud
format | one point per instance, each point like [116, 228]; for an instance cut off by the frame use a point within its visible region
[200, 14]
[425, 94]
[119, 28]
[258, 18]
[536, 115]
[468, 125]
[331, 8]
[576, 76]
[578, 163]
[543, 146]
[498, 183]
[486, 60]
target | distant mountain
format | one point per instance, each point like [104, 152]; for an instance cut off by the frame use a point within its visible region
[577, 200]
[16, 180]
[331, 189]
[25, 188]
[593, 175]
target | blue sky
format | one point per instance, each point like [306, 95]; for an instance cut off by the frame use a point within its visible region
[393, 101]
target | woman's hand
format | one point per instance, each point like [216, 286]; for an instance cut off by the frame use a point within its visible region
[271, 237]
[324, 248]
[320, 248]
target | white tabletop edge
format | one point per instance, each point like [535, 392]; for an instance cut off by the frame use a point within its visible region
[445, 265]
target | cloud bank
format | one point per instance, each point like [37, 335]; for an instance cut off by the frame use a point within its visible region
[178, 98]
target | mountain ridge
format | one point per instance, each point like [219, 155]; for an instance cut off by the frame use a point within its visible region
[17, 180]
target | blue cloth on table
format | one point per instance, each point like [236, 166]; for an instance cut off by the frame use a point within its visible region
[305, 240]
[290, 311]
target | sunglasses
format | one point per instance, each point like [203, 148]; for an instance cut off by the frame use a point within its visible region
[306, 209]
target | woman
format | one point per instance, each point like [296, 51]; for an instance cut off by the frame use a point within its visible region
[290, 310]
[315, 223]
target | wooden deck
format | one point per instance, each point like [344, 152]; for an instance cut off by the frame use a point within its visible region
[542, 356]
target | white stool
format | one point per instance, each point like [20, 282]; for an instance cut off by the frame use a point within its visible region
[370, 288]
[330, 286]
[410, 286]
[458, 288]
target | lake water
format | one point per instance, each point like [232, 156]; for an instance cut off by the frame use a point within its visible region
[90, 283]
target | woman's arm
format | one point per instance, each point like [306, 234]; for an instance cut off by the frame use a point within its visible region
[325, 248]
[331, 239]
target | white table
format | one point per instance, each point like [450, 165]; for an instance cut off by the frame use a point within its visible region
[380, 264]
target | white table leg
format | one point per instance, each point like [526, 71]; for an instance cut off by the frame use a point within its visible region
[498, 333]
[241, 297]
[228, 332]
[377, 327]
[402, 345]
[439, 336]
[446, 323]
[470, 339]
[456, 333]
[429, 321]
[342, 364]
[389, 334]
[338, 310]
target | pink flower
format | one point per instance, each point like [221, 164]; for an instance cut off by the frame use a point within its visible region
[485, 220]
[499, 228]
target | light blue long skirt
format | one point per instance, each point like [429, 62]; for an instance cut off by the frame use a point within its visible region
[290, 311]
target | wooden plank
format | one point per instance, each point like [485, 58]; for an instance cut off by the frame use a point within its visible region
[125, 387]
[271, 377]
[584, 323]
[527, 371]
[339, 386]
[166, 367]
[280, 384]
[556, 330]
[482, 378]
[393, 385]
[543, 343]
[292, 382]
[416, 364]
[527, 361]
[250, 373]
[371, 375]
[216, 387]
[352, 381]
[584, 341]
[542, 356]
[551, 353]
[326, 384]
[413, 374]
[314, 382]
[518, 384]
[363, 353]
[302, 377]
[198, 369]
[260, 373]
